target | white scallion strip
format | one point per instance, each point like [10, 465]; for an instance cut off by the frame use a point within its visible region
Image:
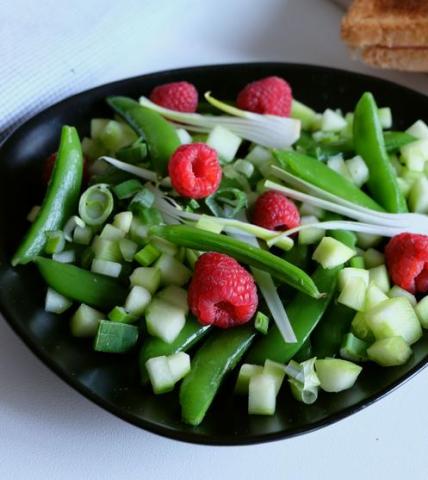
[71, 225]
[267, 130]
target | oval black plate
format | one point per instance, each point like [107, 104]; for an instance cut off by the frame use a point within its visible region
[112, 381]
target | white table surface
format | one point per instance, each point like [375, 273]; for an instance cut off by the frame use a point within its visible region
[47, 430]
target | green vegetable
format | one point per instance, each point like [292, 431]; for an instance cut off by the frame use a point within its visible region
[61, 197]
[81, 285]
[305, 351]
[96, 204]
[119, 314]
[261, 323]
[389, 352]
[84, 322]
[217, 356]
[315, 172]
[357, 262]
[262, 394]
[245, 373]
[369, 143]
[147, 255]
[353, 348]
[336, 375]
[161, 137]
[114, 337]
[304, 314]
[134, 154]
[55, 242]
[227, 202]
[128, 188]
[192, 237]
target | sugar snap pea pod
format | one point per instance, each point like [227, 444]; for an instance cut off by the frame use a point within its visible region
[313, 171]
[191, 333]
[192, 237]
[305, 351]
[329, 333]
[395, 140]
[369, 143]
[218, 355]
[61, 197]
[161, 137]
[304, 314]
[81, 285]
[298, 255]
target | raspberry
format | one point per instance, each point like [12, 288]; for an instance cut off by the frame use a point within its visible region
[222, 292]
[179, 96]
[407, 261]
[195, 170]
[271, 95]
[275, 211]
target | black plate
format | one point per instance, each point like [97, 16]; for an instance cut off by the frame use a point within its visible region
[112, 381]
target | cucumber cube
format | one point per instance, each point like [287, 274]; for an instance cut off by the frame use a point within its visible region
[225, 142]
[336, 375]
[332, 121]
[385, 117]
[374, 296]
[353, 348]
[116, 135]
[404, 186]
[350, 273]
[397, 291]
[164, 320]
[418, 196]
[245, 167]
[184, 136]
[259, 156]
[379, 276]
[302, 112]
[114, 337]
[179, 364]
[308, 210]
[360, 328]
[84, 322]
[160, 374]
[311, 235]
[276, 370]
[394, 317]
[175, 296]
[373, 258]
[358, 170]
[262, 395]
[389, 352]
[137, 300]
[337, 164]
[331, 253]
[422, 311]
[97, 126]
[172, 271]
[246, 372]
[353, 294]
[419, 130]
[415, 154]
[367, 240]
[56, 303]
[147, 277]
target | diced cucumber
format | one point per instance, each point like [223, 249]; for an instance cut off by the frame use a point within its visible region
[367, 240]
[259, 157]
[397, 291]
[114, 135]
[422, 311]
[394, 317]
[147, 255]
[175, 296]
[184, 136]
[389, 352]
[419, 130]
[246, 371]
[192, 257]
[119, 314]
[66, 256]
[350, 273]
[404, 186]
[418, 196]
[262, 395]
[224, 142]
[160, 374]
[353, 294]
[106, 249]
[137, 300]
[84, 322]
[128, 249]
[164, 320]
[164, 246]
[245, 167]
[114, 337]
[330, 253]
[109, 232]
[311, 235]
[415, 154]
[337, 164]
[358, 170]
[379, 276]
[123, 221]
[332, 121]
[179, 365]
[92, 149]
[396, 164]
[106, 267]
[306, 115]
[55, 302]
[385, 117]
[308, 210]
[172, 271]
[336, 375]
[97, 126]
[261, 323]
[374, 296]
[360, 328]
[353, 348]
[373, 258]
[357, 262]
[276, 370]
[147, 277]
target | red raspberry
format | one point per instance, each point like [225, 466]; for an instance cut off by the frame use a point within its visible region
[222, 292]
[195, 170]
[407, 261]
[271, 95]
[275, 211]
[179, 96]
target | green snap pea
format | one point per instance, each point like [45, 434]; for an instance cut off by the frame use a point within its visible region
[61, 197]
[369, 143]
[195, 238]
[317, 173]
[161, 137]
[81, 285]
[218, 355]
[304, 314]
[305, 351]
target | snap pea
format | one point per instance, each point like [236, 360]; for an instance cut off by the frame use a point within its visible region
[305, 351]
[191, 333]
[61, 197]
[304, 314]
[298, 256]
[195, 238]
[369, 143]
[218, 355]
[329, 333]
[80, 285]
[161, 137]
[317, 173]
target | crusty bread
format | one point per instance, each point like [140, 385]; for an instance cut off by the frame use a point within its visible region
[386, 23]
[409, 59]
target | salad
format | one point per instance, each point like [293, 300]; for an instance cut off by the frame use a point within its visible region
[257, 237]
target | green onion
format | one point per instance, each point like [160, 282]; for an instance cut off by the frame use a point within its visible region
[119, 314]
[114, 337]
[66, 256]
[109, 232]
[55, 242]
[127, 189]
[123, 221]
[136, 153]
[303, 380]
[128, 249]
[96, 204]
[147, 255]
[71, 224]
[83, 235]
[106, 249]
[106, 267]
[261, 323]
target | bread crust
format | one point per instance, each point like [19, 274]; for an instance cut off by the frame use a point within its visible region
[408, 59]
